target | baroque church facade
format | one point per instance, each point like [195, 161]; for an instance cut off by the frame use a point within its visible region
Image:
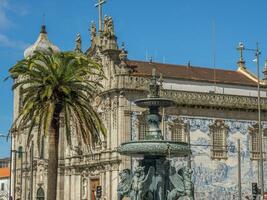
[212, 117]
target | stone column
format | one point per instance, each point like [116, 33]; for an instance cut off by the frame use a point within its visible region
[72, 184]
[35, 186]
[125, 136]
[60, 186]
[108, 110]
[77, 186]
[66, 187]
[109, 184]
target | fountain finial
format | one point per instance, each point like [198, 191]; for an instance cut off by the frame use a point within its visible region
[153, 86]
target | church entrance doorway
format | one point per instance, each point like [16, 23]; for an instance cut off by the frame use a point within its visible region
[93, 184]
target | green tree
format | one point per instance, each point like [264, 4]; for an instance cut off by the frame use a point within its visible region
[58, 90]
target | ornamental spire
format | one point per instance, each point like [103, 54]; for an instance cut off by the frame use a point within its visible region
[43, 29]
[41, 44]
[78, 43]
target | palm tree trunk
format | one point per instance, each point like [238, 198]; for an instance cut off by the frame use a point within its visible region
[53, 158]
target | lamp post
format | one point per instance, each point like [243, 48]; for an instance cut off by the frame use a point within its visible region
[241, 47]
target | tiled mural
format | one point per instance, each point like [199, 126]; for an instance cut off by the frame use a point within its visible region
[216, 179]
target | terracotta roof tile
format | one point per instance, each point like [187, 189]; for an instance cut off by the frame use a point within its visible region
[4, 172]
[193, 73]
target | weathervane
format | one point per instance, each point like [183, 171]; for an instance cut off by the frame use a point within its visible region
[99, 5]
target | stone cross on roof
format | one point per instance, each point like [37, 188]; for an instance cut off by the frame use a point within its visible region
[99, 5]
[240, 48]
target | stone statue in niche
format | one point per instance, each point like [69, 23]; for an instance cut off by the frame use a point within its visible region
[181, 183]
[84, 189]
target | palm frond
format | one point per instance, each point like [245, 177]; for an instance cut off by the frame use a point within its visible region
[64, 82]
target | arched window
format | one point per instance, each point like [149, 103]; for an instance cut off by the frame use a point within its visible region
[254, 142]
[179, 130]
[142, 126]
[219, 133]
[40, 194]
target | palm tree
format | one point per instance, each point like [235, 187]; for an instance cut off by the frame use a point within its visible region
[58, 88]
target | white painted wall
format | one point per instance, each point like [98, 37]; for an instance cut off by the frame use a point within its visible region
[196, 86]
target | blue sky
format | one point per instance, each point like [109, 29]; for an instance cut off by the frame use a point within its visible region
[172, 31]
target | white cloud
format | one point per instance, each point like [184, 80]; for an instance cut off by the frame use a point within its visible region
[4, 21]
[7, 7]
[7, 42]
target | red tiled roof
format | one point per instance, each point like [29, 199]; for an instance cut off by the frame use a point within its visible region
[193, 73]
[4, 172]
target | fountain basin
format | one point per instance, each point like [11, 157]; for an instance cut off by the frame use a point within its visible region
[154, 148]
[154, 102]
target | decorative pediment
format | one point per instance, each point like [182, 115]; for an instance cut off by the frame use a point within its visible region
[219, 125]
[219, 133]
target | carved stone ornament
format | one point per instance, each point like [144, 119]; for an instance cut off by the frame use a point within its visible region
[123, 54]
[214, 100]
[108, 27]
[78, 43]
[93, 30]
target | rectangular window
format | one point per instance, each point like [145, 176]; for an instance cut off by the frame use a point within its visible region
[142, 126]
[219, 132]
[255, 143]
[179, 131]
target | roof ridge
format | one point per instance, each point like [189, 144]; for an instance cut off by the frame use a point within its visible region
[143, 68]
[179, 65]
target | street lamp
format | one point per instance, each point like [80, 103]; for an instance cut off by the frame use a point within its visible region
[241, 48]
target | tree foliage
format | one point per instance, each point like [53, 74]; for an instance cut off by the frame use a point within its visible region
[64, 83]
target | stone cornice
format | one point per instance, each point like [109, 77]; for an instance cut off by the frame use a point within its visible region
[186, 98]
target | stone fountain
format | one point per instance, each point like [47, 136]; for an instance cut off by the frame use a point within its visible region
[155, 178]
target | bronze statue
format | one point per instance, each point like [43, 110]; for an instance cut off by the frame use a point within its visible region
[124, 186]
[182, 184]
